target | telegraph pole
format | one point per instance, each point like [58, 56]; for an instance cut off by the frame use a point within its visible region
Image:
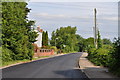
[95, 29]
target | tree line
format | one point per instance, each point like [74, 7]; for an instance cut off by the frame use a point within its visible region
[65, 38]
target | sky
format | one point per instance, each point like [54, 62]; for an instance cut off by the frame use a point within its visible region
[73, 0]
[53, 15]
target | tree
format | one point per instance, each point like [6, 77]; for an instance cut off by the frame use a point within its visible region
[43, 38]
[52, 41]
[80, 46]
[89, 43]
[65, 38]
[17, 35]
[46, 38]
[106, 41]
[99, 42]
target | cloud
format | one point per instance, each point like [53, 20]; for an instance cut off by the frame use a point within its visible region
[62, 16]
[104, 10]
[110, 18]
[46, 15]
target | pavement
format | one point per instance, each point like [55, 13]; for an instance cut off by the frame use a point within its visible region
[93, 71]
[64, 66]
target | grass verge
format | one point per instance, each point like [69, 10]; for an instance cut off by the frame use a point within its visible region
[20, 61]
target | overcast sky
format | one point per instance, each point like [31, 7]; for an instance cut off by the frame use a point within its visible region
[53, 15]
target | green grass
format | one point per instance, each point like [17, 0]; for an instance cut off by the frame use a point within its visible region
[20, 61]
[70, 52]
[37, 58]
[12, 62]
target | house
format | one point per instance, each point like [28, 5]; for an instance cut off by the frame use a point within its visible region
[38, 44]
[39, 38]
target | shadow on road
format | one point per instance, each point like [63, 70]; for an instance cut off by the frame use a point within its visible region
[99, 72]
[71, 73]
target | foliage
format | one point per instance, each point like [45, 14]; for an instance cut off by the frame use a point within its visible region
[115, 54]
[99, 42]
[7, 55]
[53, 47]
[80, 46]
[32, 36]
[66, 39]
[90, 52]
[89, 43]
[45, 38]
[106, 41]
[109, 47]
[108, 55]
[99, 56]
[17, 35]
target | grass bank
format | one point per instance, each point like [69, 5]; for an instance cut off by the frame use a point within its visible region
[10, 63]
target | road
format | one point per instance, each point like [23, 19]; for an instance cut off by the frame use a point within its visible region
[65, 66]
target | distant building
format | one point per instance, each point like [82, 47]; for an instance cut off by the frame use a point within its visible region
[39, 38]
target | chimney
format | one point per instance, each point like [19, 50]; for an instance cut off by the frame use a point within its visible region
[41, 30]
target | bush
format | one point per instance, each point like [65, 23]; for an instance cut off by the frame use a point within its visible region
[115, 62]
[109, 47]
[54, 47]
[67, 49]
[91, 50]
[99, 56]
[108, 55]
[7, 55]
[102, 57]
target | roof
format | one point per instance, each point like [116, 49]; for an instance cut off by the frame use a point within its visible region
[40, 30]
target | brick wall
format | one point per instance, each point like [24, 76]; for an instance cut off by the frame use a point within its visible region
[43, 52]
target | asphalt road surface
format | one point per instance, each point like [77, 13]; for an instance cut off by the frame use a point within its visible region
[65, 66]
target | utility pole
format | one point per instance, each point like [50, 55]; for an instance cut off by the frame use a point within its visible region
[95, 28]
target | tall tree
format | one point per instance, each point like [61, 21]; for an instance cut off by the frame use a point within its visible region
[43, 38]
[99, 42]
[16, 29]
[46, 38]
